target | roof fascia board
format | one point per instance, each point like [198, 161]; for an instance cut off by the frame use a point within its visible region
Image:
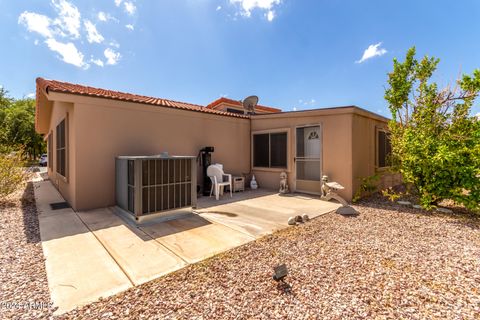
[322, 112]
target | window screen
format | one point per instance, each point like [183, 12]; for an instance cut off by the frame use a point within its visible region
[270, 150]
[278, 150]
[260, 150]
[61, 148]
[50, 151]
[384, 148]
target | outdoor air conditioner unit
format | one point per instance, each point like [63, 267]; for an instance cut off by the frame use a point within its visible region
[155, 185]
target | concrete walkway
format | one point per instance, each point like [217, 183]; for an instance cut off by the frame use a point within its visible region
[98, 253]
[79, 269]
[138, 255]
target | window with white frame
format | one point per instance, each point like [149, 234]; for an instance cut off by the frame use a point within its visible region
[270, 150]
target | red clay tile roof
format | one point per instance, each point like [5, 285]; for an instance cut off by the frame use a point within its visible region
[238, 103]
[65, 87]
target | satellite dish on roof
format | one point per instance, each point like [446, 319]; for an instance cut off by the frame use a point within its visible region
[249, 104]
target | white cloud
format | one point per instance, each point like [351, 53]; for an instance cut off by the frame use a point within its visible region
[102, 16]
[478, 115]
[35, 22]
[270, 15]
[112, 56]
[294, 109]
[65, 30]
[249, 5]
[66, 24]
[130, 8]
[98, 62]
[373, 50]
[68, 52]
[219, 8]
[31, 95]
[307, 102]
[68, 19]
[92, 33]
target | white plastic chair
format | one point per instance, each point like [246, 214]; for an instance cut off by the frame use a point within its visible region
[219, 180]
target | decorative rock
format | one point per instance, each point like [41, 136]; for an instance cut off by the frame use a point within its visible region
[305, 218]
[236, 278]
[347, 211]
[291, 221]
[404, 203]
[417, 206]
[298, 219]
[444, 210]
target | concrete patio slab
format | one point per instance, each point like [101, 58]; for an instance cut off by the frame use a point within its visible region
[139, 256]
[194, 238]
[79, 269]
[265, 213]
[234, 217]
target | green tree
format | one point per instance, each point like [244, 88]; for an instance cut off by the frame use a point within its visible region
[5, 102]
[435, 139]
[17, 126]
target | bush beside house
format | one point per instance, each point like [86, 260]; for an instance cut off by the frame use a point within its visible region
[435, 139]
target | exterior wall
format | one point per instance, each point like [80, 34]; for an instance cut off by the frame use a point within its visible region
[67, 187]
[111, 128]
[365, 153]
[101, 129]
[336, 152]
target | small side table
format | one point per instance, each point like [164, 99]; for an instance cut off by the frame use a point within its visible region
[238, 184]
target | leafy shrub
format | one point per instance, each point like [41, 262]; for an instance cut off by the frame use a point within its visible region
[391, 194]
[368, 185]
[11, 174]
[435, 139]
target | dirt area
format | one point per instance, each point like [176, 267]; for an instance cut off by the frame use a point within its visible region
[23, 281]
[388, 262]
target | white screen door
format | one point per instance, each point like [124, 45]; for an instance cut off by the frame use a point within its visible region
[308, 159]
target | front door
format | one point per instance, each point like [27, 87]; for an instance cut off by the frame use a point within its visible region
[308, 159]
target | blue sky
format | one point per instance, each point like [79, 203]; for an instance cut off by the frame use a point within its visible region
[293, 54]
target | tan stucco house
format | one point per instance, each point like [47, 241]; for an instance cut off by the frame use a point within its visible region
[86, 128]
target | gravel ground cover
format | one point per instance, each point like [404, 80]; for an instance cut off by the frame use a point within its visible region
[389, 262]
[23, 281]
